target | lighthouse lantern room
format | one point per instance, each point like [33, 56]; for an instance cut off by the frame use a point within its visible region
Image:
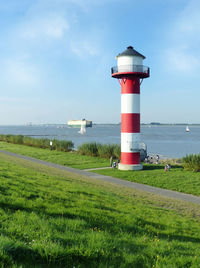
[130, 72]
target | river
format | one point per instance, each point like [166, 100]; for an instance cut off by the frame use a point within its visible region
[166, 140]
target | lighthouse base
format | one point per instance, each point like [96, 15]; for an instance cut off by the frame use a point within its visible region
[129, 167]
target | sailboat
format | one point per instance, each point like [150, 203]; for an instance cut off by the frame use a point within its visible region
[187, 129]
[82, 130]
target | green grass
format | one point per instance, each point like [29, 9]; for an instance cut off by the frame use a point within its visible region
[71, 159]
[51, 218]
[176, 179]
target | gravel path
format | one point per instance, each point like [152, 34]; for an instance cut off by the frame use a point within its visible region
[138, 186]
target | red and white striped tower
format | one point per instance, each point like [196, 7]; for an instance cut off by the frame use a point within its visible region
[129, 71]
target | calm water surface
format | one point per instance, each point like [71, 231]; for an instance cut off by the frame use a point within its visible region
[168, 141]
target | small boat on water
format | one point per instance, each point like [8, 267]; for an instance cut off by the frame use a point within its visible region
[187, 129]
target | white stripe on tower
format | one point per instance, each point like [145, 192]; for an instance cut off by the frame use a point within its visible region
[130, 103]
[130, 142]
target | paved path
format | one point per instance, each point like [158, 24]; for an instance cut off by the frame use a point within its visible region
[90, 169]
[134, 185]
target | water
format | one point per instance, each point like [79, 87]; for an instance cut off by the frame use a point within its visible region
[167, 141]
[172, 141]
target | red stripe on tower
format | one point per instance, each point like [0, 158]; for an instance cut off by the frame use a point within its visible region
[130, 123]
[130, 158]
[130, 85]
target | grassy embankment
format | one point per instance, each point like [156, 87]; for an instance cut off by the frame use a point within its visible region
[51, 218]
[177, 179]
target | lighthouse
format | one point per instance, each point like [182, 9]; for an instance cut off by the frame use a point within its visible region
[130, 73]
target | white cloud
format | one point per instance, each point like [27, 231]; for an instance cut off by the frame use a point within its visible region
[85, 5]
[180, 59]
[49, 26]
[182, 53]
[18, 72]
[41, 27]
[83, 48]
[57, 26]
[44, 33]
[188, 22]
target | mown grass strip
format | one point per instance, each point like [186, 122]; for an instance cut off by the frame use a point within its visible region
[71, 159]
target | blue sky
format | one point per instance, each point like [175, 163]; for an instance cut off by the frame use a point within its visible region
[56, 57]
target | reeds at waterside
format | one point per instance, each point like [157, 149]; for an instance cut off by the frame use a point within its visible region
[191, 162]
[100, 150]
[59, 145]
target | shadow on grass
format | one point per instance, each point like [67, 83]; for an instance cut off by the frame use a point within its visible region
[162, 227]
[138, 226]
[25, 256]
[14, 207]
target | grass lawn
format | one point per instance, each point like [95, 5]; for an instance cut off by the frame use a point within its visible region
[51, 218]
[176, 179]
[71, 159]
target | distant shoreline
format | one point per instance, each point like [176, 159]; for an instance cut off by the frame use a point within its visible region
[170, 124]
[153, 124]
[98, 124]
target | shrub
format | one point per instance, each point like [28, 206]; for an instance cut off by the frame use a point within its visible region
[62, 145]
[19, 139]
[66, 146]
[105, 150]
[117, 151]
[90, 149]
[28, 141]
[2, 137]
[192, 162]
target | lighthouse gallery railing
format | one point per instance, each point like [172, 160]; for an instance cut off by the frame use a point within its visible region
[130, 68]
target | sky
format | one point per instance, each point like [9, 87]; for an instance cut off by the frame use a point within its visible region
[56, 56]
